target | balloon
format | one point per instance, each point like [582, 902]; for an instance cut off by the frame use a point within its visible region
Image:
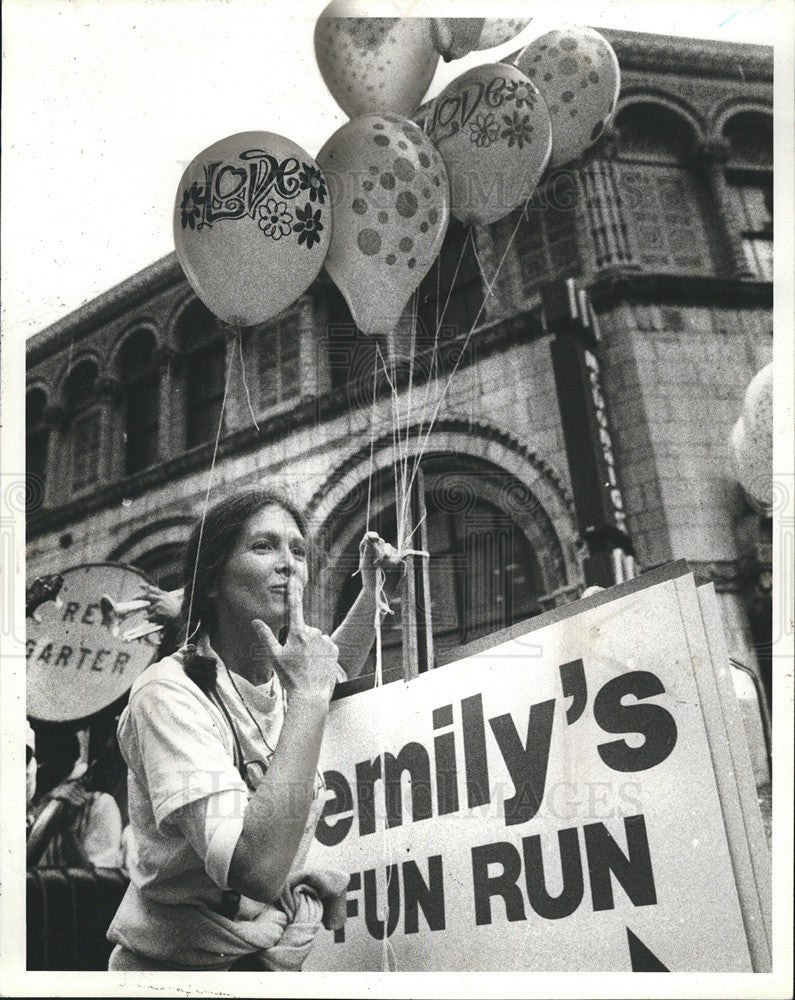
[493, 131]
[751, 441]
[251, 225]
[391, 206]
[456, 36]
[375, 64]
[577, 72]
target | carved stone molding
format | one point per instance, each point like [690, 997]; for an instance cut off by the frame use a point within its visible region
[55, 415]
[690, 56]
[109, 387]
[712, 151]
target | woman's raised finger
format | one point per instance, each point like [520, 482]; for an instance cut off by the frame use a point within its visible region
[295, 604]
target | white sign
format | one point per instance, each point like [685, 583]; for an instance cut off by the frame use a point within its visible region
[549, 804]
[81, 650]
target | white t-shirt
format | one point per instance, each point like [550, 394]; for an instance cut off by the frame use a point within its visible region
[187, 800]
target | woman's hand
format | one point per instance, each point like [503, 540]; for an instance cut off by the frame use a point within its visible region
[375, 554]
[306, 664]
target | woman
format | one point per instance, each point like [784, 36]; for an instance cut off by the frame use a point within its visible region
[222, 741]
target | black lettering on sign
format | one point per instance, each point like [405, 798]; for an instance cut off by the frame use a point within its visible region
[70, 611]
[446, 767]
[503, 884]
[89, 615]
[632, 870]
[572, 679]
[340, 805]
[63, 657]
[475, 756]
[45, 653]
[527, 765]
[30, 645]
[83, 654]
[100, 655]
[429, 896]
[570, 897]
[654, 722]
[121, 661]
[376, 927]
[351, 906]
[413, 757]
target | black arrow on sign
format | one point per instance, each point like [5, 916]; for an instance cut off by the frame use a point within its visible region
[641, 958]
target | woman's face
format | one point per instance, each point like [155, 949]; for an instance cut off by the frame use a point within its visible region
[253, 583]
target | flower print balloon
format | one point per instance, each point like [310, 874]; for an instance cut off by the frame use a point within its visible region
[454, 37]
[390, 201]
[577, 72]
[373, 64]
[493, 131]
[251, 225]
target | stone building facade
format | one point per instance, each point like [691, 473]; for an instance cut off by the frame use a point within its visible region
[665, 231]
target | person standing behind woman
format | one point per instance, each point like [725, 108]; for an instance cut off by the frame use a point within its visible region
[222, 740]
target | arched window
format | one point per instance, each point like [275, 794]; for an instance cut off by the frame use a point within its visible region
[485, 571]
[749, 173]
[85, 429]
[204, 350]
[36, 443]
[141, 401]
[663, 199]
[163, 565]
[278, 363]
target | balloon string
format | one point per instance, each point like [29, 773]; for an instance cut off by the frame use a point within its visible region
[396, 464]
[243, 375]
[207, 501]
[372, 441]
[435, 350]
[489, 284]
[464, 346]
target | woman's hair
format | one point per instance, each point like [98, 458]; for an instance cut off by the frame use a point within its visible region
[209, 547]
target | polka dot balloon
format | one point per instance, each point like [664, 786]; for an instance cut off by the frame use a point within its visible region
[577, 72]
[751, 442]
[390, 206]
[374, 64]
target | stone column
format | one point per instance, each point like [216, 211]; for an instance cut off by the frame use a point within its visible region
[109, 392]
[313, 349]
[602, 210]
[171, 415]
[55, 475]
[710, 156]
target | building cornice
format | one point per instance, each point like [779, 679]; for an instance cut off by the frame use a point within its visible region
[708, 57]
[108, 306]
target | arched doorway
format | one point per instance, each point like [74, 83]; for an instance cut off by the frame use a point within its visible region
[494, 553]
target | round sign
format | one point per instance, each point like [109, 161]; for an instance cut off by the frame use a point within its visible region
[83, 647]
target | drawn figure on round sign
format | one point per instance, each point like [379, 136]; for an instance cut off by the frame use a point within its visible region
[577, 73]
